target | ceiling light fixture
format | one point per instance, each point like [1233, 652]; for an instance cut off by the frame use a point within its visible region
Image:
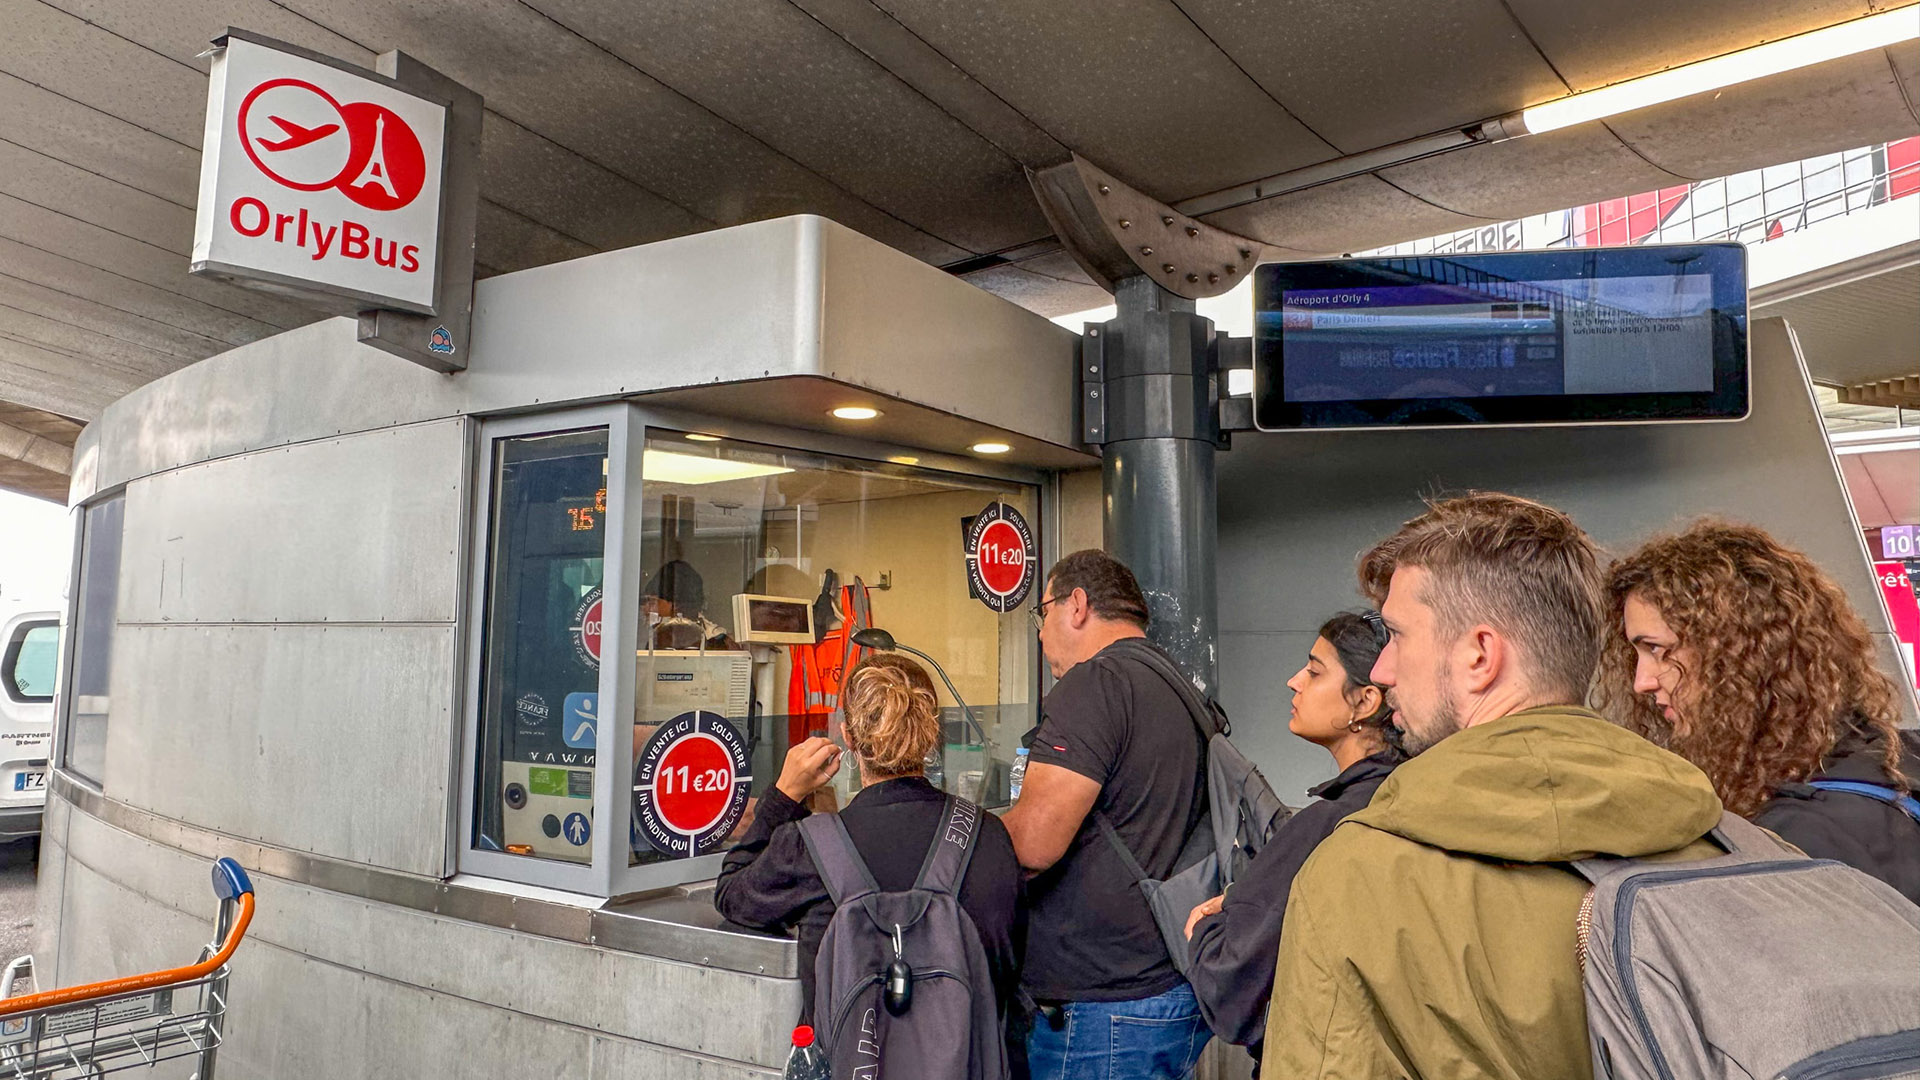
[1802, 50]
[697, 436]
[855, 412]
[904, 459]
[990, 448]
[668, 467]
[1787, 54]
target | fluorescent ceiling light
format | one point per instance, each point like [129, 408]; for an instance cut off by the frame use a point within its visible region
[696, 436]
[1844, 449]
[1772, 58]
[990, 448]
[665, 466]
[904, 459]
[856, 412]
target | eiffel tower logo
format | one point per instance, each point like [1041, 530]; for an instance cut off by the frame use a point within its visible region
[375, 172]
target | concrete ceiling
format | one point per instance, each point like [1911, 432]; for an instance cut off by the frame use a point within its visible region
[610, 125]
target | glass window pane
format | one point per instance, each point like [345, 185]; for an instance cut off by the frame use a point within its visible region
[1741, 185]
[1711, 195]
[95, 612]
[32, 658]
[540, 678]
[725, 522]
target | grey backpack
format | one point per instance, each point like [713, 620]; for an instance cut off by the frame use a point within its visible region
[901, 985]
[1761, 963]
[1241, 813]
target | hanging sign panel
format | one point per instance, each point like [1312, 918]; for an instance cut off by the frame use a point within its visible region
[1000, 557]
[690, 784]
[319, 179]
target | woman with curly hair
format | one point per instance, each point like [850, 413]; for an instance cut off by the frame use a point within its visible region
[1740, 655]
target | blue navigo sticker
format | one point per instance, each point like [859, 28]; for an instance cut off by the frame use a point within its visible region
[580, 720]
[577, 829]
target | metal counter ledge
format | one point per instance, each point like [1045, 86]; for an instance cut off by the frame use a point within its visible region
[673, 924]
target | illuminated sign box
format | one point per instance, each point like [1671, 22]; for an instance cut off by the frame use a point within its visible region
[1572, 335]
[319, 178]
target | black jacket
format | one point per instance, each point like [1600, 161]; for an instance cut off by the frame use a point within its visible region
[1234, 952]
[1862, 832]
[769, 882]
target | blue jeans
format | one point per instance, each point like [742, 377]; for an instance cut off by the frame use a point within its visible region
[1156, 1038]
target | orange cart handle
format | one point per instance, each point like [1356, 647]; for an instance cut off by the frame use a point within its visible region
[229, 882]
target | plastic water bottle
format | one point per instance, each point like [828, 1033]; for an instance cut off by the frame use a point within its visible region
[1018, 773]
[805, 1061]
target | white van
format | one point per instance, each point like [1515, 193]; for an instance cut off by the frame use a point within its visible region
[29, 658]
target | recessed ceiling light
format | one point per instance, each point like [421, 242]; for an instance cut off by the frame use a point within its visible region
[695, 436]
[904, 459]
[856, 412]
[991, 448]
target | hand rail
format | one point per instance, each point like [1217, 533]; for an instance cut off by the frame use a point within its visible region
[230, 884]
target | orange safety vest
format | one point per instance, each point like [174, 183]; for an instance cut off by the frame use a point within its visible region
[813, 690]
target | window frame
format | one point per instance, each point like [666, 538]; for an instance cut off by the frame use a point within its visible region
[628, 424]
[70, 637]
[10, 659]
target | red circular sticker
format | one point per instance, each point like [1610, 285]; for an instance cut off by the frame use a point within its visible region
[586, 630]
[690, 784]
[1000, 557]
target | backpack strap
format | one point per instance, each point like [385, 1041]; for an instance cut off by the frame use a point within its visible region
[1127, 860]
[1885, 794]
[1205, 714]
[1735, 834]
[838, 861]
[954, 839]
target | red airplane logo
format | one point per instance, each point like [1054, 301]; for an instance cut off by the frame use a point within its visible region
[297, 136]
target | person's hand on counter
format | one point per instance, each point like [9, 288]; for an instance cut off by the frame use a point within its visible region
[808, 767]
[1202, 910]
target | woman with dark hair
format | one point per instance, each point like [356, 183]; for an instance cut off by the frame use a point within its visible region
[1740, 655]
[1236, 937]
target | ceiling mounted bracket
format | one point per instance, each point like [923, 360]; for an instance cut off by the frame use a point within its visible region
[1116, 232]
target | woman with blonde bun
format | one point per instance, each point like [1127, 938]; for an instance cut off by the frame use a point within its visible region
[769, 881]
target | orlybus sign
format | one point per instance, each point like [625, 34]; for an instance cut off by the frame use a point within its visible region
[319, 177]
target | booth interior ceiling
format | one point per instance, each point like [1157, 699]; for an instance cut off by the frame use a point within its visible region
[911, 122]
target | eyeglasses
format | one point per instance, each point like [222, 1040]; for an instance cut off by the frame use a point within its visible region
[1038, 616]
[1379, 627]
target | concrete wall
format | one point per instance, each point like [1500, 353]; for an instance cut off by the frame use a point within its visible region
[1297, 508]
[331, 985]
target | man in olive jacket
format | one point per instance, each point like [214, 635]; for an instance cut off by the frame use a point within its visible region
[1433, 934]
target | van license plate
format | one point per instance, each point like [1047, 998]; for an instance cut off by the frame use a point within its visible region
[31, 780]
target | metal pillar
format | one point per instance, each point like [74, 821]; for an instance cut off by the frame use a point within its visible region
[1154, 364]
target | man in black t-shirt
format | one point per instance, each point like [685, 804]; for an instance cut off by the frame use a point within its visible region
[1114, 740]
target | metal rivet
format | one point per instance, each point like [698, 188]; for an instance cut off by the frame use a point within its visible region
[1104, 189]
[1213, 279]
[1093, 369]
[1231, 268]
[1167, 220]
[1093, 393]
[1166, 268]
[1193, 277]
[1146, 251]
[1093, 333]
[1245, 253]
[1125, 224]
[1191, 231]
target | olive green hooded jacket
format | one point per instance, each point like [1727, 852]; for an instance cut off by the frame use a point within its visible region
[1432, 935]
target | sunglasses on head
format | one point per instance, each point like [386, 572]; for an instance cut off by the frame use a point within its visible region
[1378, 625]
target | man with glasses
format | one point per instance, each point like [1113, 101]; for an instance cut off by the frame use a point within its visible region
[1115, 749]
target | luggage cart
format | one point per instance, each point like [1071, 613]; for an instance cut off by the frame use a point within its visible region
[81, 1032]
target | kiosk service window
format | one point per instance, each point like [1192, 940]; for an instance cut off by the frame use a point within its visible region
[661, 617]
[759, 563]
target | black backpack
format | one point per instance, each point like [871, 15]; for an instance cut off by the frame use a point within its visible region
[901, 985]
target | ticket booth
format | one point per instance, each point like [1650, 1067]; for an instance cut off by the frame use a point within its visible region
[478, 674]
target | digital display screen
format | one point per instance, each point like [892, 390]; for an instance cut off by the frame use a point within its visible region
[1584, 335]
[777, 617]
